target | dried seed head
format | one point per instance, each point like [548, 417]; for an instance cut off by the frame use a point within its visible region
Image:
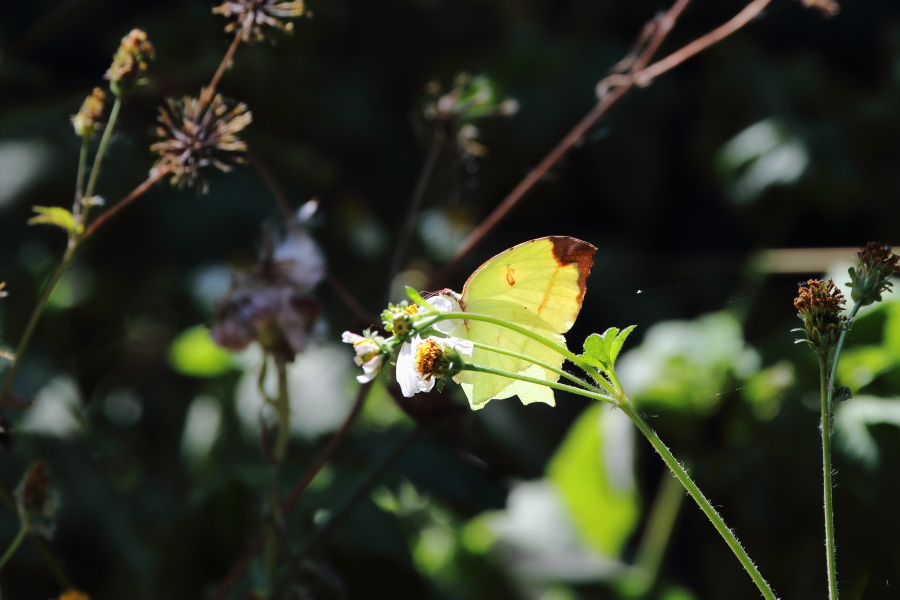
[87, 121]
[197, 133]
[252, 17]
[870, 277]
[36, 502]
[129, 63]
[819, 306]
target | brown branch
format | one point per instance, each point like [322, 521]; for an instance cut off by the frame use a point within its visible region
[610, 90]
[254, 547]
[749, 12]
[274, 188]
[211, 89]
[155, 176]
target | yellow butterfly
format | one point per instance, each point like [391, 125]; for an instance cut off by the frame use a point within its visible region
[538, 285]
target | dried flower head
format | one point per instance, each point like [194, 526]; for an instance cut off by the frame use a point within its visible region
[870, 277]
[271, 304]
[87, 121]
[129, 63]
[197, 133]
[251, 17]
[36, 502]
[74, 595]
[819, 306]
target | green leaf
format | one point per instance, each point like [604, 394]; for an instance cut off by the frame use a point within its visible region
[596, 480]
[617, 343]
[57, 216]
[601, 350]
[194, 353]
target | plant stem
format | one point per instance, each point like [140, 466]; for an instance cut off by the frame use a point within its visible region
[553, 345]
[698, 497]
[275, 521]
[826, 390]
[434, 151]
[14, 545]
[101, 149]
[642, 576]
[551, 384]
[33, 319]
[155, 175]
[288, 503]
[826, 383]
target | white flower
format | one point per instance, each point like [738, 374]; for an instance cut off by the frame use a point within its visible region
[368, 355]
[421, 362]
[446, 301]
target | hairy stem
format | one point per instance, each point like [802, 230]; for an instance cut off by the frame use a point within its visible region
[34, 318]
[698, 497]
[825, 392]
[553, 345]
[14, 545]
[101, 149]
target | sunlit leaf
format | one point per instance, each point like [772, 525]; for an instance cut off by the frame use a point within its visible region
[194, 353]
[592, 470]
[55, 215]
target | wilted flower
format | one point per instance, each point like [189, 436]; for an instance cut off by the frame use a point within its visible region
[271, 304]
[253, 16]
[827, 8]
[36, 502]
[422, 363]
[369, 354]
[819, 305]
[87, 120]
[870, 277]
[196, 133]
[129, 63]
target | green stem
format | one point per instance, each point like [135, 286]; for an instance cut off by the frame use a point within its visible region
[101, 149]
[826, 391]
[79, 177]
[839, 347]
[698, 497]
[23, 531]
[553, 345]
[275, 522]
[549, 367]
[652, 547]
[551, 384]
[826, 383]
[35, 316]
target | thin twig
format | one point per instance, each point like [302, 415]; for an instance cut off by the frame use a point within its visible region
[254, 547]
[274, 188]
[615, 87]
[415, 204]
[136, 193]
[226, 60]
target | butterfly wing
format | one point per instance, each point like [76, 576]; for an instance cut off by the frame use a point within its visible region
[538, 285]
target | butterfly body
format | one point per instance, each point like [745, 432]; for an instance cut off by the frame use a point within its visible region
[538, 285]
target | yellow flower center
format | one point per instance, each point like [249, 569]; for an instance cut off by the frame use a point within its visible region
[428, 354]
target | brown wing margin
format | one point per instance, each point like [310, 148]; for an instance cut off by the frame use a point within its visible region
[568, 250]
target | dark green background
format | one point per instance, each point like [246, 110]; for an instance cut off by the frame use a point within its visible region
[337, 108]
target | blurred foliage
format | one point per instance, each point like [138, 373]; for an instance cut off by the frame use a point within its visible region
[785, 135]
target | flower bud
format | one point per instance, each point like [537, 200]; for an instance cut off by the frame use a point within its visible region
[870, 277]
